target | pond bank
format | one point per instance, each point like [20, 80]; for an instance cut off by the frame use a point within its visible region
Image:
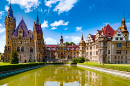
[108, 71]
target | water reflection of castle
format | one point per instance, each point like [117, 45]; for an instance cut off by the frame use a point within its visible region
[61, 76]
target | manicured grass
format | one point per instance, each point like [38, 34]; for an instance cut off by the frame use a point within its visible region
[121, 67]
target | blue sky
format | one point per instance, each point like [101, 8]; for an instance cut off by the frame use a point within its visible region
[69, 17]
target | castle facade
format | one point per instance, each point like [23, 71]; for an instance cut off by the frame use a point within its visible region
[107, 46]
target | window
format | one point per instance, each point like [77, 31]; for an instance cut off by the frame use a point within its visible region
[87, 48]
[103, 44]
[116, 38]
[119, 34]
[87, 53]
[90, 53]
[118, 57]
[19, 42]
[74, 53]
[31, 49]
[8, 42]
[90, 48]
[72, 48]
[121, 38]
[115, 57]
[103, 51]
[100, 44]
[39, 37]
[118, 44]
[82, 52]
[108, 51]
[121, 57]
[8, 48]
[18, 48]
[58, 48]
[22, 49]
[118, 52]
[14, 42]
[90, 43]
[100, 51]
[82, 48]
[39, 42]
[126, 57]
[64, 48]
[39, 49]
[61, 48]
[121, 62]
[25, 42]
[20, 31]
[126, 51]
[125, 34]
[77, 49]
[8, 36]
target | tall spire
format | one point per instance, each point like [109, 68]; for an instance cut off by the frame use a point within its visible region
[37, 18]
[82, 38]
[61, 39]
[123, 25]
[10, 11]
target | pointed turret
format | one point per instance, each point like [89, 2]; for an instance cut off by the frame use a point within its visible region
[124, 28]
[82, 39]
[61, 39]
[123, 25]
[10, 11]
[37, 19]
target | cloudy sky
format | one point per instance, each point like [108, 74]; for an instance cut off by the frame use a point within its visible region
[69, 17]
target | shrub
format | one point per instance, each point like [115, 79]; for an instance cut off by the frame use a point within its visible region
[34, 60]
[74, 60]
[81, 60]
[14, 57]
[29, 60]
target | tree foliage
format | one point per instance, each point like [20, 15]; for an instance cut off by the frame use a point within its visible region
[29, 60]
[78, 60]
[67, 43]
[14, 57]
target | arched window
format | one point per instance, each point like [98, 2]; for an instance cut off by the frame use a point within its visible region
[31, 49]
[22, 49]
[39, 49]
[18, 49]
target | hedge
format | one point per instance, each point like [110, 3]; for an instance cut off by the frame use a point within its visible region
[17, 66]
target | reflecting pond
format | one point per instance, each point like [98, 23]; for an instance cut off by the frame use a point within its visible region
[62, 76]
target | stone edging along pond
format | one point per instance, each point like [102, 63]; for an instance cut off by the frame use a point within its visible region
[108, 71]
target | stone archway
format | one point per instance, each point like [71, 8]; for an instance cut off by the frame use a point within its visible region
[25, 60]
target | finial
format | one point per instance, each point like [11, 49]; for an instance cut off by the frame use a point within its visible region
[22, 16]
[10, 3]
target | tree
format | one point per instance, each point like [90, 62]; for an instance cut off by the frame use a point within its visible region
[0, 53]
[72, 43]
[81, 60]
[29, 60]
[14, 57]
[34, 60]
[67, 43]
[74, 60]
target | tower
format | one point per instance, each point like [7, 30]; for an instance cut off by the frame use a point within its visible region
[82, 47]
[61, 39]
[10, 24]
[38, 40]
[124, 29]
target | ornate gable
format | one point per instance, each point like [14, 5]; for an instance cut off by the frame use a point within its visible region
[118, 36]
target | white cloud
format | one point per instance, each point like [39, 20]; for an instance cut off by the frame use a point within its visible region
[74, 39]
[1, 29]
[1, 14]
[63, 5]
[66, 28]
[50, 41]
[53, 28]
[58, 23]
[28, 5]
[40, 10]
[44, 24]
[2, 43]
[50, 2]
[79, 28]
[6, 7]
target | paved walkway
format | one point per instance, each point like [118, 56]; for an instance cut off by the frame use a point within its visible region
[108, 71]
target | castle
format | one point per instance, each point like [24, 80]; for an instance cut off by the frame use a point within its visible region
[107, 46]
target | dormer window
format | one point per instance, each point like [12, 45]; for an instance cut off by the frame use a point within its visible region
[116, 38]
[119, 34]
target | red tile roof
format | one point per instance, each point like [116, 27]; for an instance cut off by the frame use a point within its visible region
[108, 31]
[93, 36]
[51, 46]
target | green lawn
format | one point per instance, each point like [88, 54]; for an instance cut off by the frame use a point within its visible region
[121, 67]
